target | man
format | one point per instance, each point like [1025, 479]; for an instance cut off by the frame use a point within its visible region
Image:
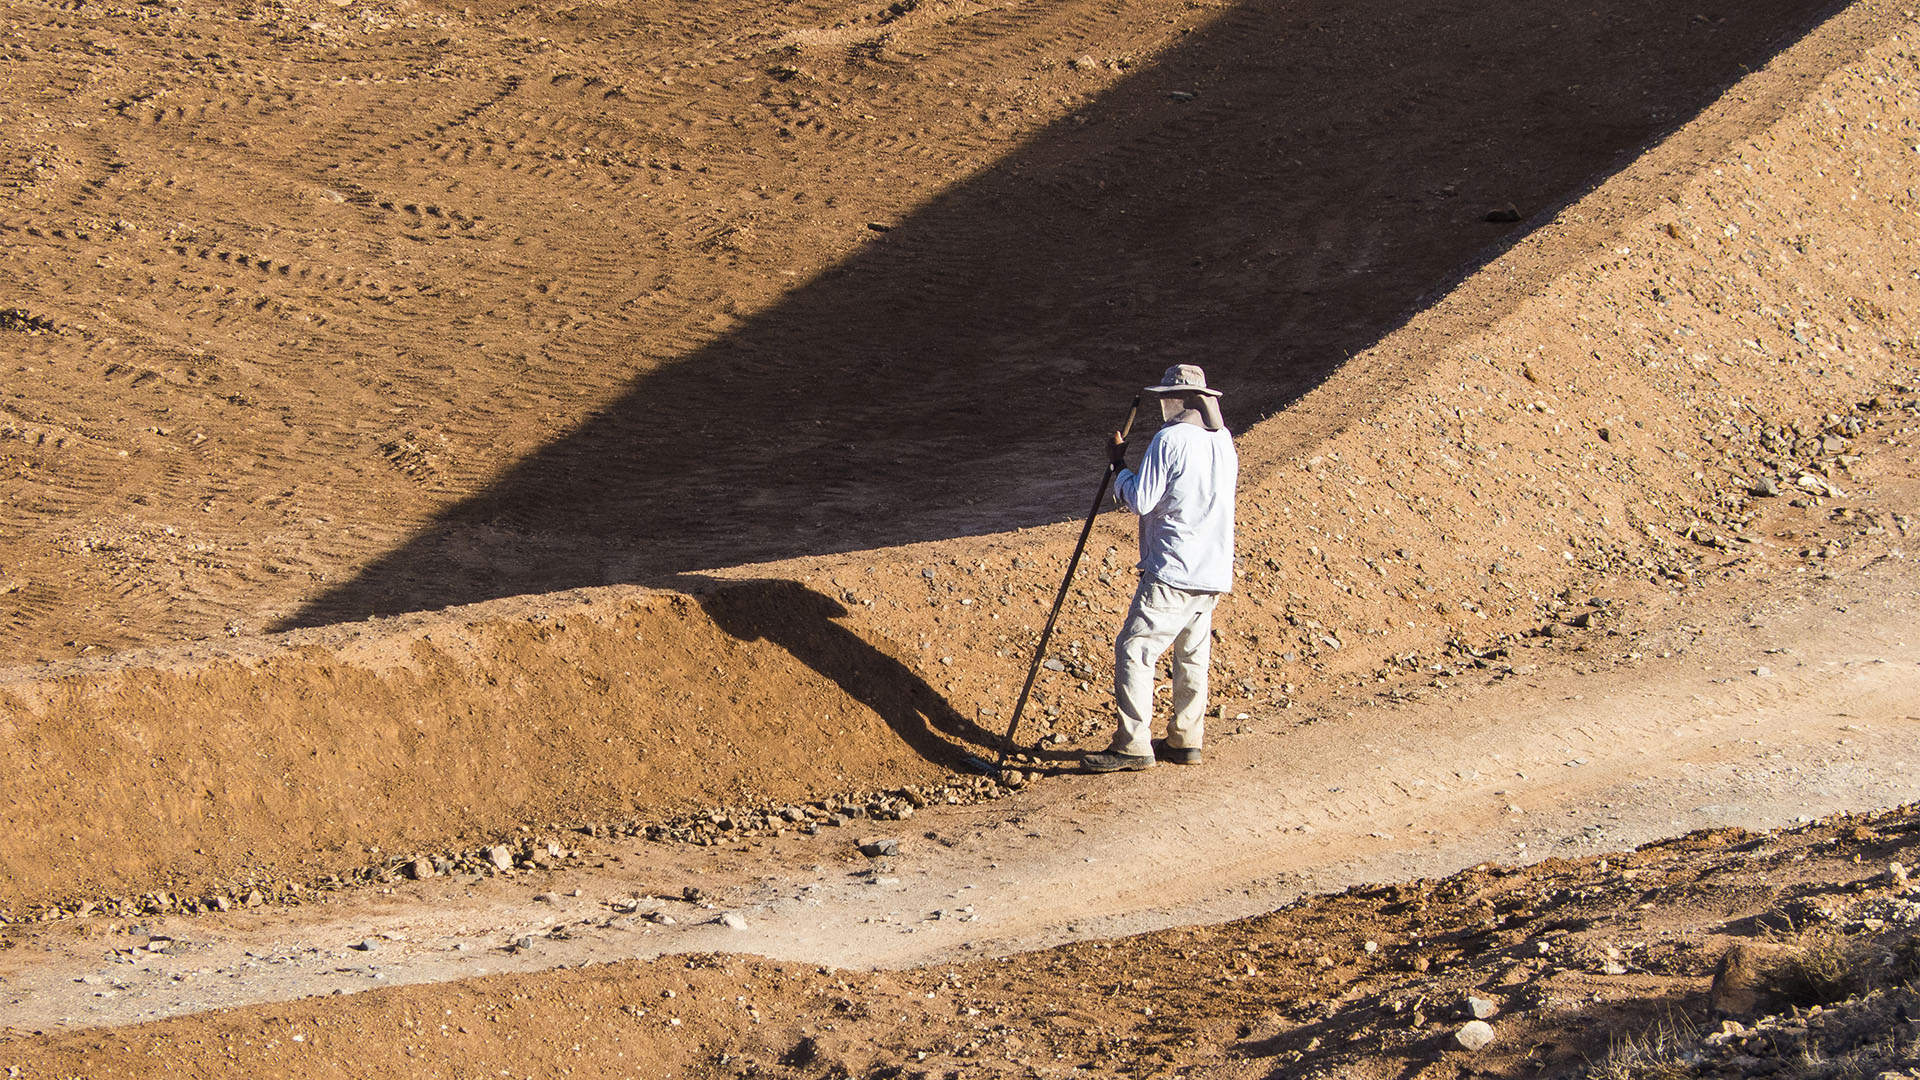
[1183, 492]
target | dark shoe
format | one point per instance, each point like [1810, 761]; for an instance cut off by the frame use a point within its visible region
[1108, 761]
[1175, 755]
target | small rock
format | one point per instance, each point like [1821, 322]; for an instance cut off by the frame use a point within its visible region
[500, 857]
[732, 920]
[369, 945]
[1763, 488]
[1818, 485]
[1503, 214]
[692, 894]
[523, 943]
[419, 869]
[1474, 1035]
[1743, 982]
[546, 898]
[1481, 1008]
[1763, 671]
[874, 847]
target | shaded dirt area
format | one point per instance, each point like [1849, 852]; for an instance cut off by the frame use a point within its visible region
[324, 311]
[1567, 957]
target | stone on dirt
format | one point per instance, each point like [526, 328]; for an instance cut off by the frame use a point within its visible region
[1474, 1035]
[732, 920]
[1743, 980]
[1481, 1008]
[874, 847]
[500, 856]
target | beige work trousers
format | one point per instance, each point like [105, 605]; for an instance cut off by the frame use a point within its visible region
[1162, 617]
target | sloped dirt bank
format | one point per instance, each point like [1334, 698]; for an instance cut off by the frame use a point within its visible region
[319, 753]
[1761, 702]
[1539, 436]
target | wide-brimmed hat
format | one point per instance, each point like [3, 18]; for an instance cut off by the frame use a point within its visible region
[1183, 379]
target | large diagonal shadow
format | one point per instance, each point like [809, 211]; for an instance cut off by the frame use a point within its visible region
[1320, 169]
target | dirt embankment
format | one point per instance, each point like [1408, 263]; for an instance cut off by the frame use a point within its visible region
[1583, 416]
[314, 754]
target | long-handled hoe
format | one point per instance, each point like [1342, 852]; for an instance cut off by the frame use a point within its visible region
[1059, 600]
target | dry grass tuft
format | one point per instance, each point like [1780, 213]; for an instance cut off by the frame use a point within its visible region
[1667, 1052]
[1825, 967]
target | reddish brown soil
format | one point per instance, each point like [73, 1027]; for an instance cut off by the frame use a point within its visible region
[368, 308]
[316, 312]
[1368, 984]
[1593, 404]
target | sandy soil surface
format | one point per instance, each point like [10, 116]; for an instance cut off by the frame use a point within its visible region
[1766, 716]
[1761, 720]
[1372, 983]
[1587, 414]
[323, 310]
[1580, 524]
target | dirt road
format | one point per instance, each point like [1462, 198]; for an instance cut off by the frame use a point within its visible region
[1770, 717]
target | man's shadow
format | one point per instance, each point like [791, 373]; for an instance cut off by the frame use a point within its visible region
[803, 622]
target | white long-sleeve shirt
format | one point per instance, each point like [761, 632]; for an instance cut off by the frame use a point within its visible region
[1183, 493]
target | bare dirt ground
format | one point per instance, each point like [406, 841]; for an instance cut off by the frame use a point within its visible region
[1757, 716]
[1587, 413]
[1576, 520]
[326, 310]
